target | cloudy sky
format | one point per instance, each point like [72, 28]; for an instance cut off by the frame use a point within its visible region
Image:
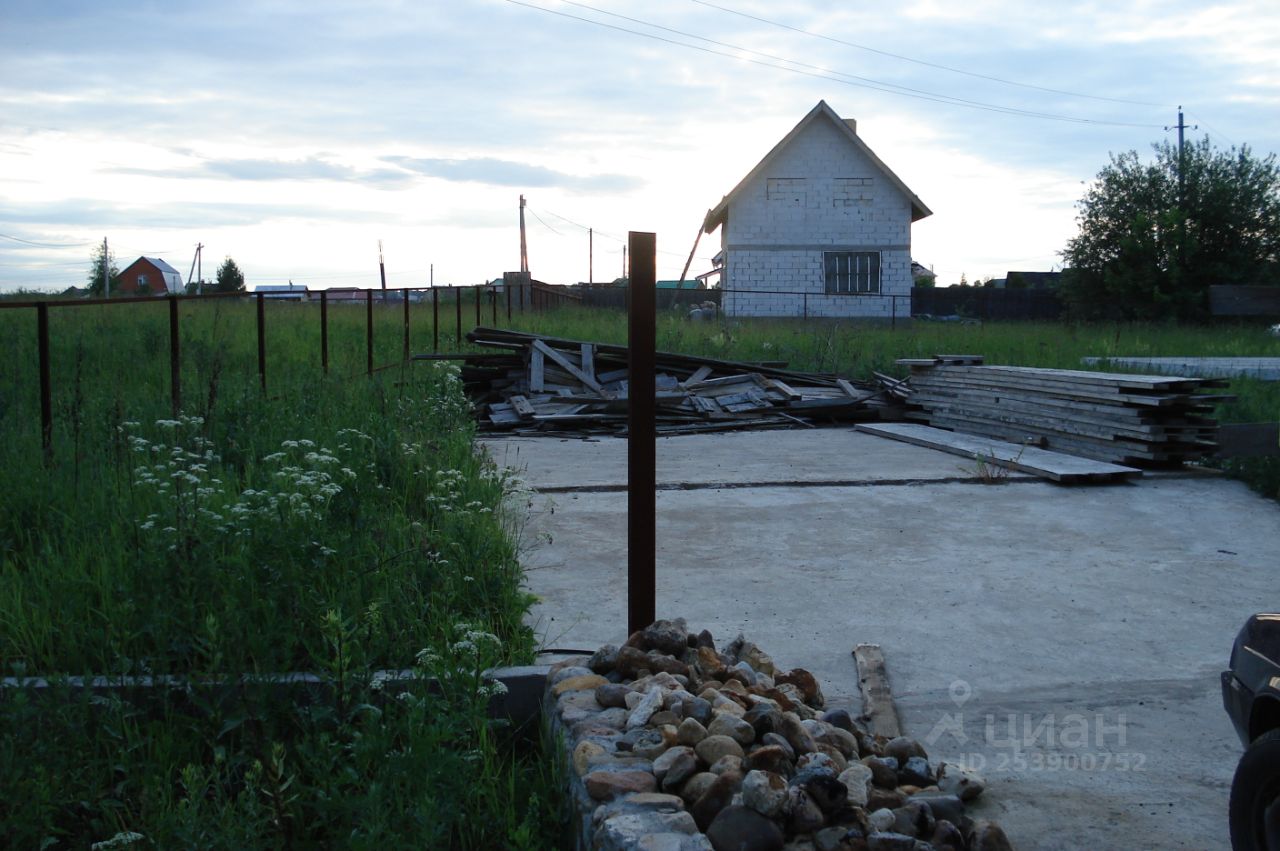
[293, 136]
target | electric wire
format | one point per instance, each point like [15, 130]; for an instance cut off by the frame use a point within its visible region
[47, 244]
[873, 85]
[936, 65]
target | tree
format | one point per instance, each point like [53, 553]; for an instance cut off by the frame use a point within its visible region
[230, 278]
[1151, 245]
[101, 259]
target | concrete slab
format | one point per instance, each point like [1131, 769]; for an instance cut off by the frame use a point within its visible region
[1064, 640]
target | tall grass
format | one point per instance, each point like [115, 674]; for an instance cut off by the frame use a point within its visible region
[331, 525]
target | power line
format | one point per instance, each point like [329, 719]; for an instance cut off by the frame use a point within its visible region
[874, 85]
[47, 244]
[921, 61]
[1198, 117]
[541, 222]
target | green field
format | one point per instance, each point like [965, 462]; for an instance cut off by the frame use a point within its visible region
[336, 525]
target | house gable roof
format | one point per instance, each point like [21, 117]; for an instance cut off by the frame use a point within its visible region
[717, 215]
[162, 266]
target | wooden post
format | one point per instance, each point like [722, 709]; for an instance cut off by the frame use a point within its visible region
[435, 320]
[324, 330]
[522, 288]
[406, 324]
[493, 306]
[368, 331]
[478, 289]
[46, 385]
[262, 343]
[507, 288]
[175, 379]
[641, 434]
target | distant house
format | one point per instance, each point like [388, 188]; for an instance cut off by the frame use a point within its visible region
[283, 292]
[821, 218]
[150, 276]
[689, 284]
[922, 276]
[1032, 280]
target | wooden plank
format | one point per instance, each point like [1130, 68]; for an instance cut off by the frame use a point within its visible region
[564, 363]
[588, 359]
[1133, 381]
[848, 389]
[522, 405]
[1027, 459]
[699, 374]
[877, 700]
[536, 376]
[785, 389]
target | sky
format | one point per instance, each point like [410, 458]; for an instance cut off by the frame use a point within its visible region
[296, 136]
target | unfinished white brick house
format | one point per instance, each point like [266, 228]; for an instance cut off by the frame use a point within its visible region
[821, 227]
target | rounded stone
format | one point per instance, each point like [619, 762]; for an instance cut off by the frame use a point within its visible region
[690, 732]
[818, 759]
[740, 828]
[770, 758]
[726, 724]
[695, 786]
[604, 785]
[806, 682]
[773, 739]
[728, 762]
[884, 771]
[803, 813]
[570, 672]
[903, 748]
[916, 771]
[699, 709]
[881, 820]
[583, 755]
[960, 781]
[796, 735]
[662, 763]
[604, 660]
[764, 792]
[612, 695]
[712, 748]
[856, 778]
[989, 836]
[680, 769]
[718, 796]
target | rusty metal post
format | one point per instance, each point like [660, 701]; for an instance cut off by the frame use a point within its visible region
[457, 307]
[368, 330]
[641, 433]
[175, 375]
[406, 324]
[435, 320]
[46, 384]
[262, 343]
[324, 330]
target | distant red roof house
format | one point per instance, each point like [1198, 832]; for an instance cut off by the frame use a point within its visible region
[150, 276]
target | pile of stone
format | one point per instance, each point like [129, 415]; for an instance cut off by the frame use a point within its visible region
[677, 745]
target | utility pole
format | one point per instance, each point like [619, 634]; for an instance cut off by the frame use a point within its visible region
[524, 247]
[382, 267]
[195, 258]
[1182, 163]
[1182, 190]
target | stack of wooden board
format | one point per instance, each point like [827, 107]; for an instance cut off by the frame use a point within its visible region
[1127, 419]
[540, 384]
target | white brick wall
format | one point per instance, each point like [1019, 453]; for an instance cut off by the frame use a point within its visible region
[777, 244]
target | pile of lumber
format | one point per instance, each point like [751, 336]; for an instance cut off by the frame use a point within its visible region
[1126, 419]
[538, 384]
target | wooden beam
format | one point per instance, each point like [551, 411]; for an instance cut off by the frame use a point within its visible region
[567, 365]
[877, 700]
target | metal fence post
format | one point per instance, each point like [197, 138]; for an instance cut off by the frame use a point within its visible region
[324, 330]
[641, 433]
[406, 324]
[175, 374]
[368, 330]
[46, 386]
[262, 343]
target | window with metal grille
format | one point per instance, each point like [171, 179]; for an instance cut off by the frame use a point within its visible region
[852, 272]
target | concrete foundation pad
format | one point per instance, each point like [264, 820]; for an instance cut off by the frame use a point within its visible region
[1064, 640]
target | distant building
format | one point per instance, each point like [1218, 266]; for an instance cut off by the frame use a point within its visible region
[149, 276]
[820, 224]
[283, 292]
